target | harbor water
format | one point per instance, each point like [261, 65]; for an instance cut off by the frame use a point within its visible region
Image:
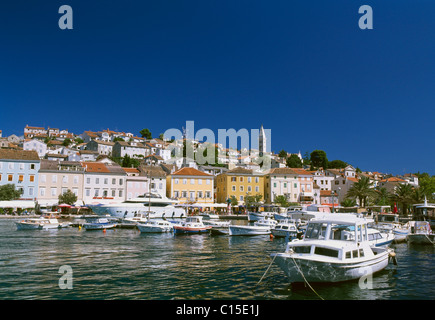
[122, 264]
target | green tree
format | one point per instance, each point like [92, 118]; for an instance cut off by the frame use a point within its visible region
[382, 197]
[67, 197]
[281, 201]
[361, 190]
[348, 202]
[128, 162]
[318, 159]
[306, 160]
[253, 201]
[337, 164]
[8, 192]
[66, 142]
[403, 195]
[118, 139]
[146, 133]
[282, 154]
[293, 161]
[233, 201]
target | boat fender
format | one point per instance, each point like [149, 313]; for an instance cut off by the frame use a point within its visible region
[392, 255]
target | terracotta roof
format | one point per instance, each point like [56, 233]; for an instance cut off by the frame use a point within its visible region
[95, 167]
[19, 154]
[301, 171]
[190, 172]
[131, 170]
[282, 171]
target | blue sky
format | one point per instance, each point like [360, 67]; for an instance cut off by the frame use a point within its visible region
[302, 68]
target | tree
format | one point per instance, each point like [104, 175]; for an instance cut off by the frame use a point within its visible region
[8, 192]
[281, 201]
[348, 202]
[361, 190]
[128, 162]
[146, 133]
[306, 159]
[282, 154]
[67, 197]
[403, 195]
[337, 164]
[293, 161]
[66, 142]
[318, 159]
[382, 197]
[253, 201]
[233, 201]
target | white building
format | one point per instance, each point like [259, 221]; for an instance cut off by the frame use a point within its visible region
[36, 145]
[281, 181]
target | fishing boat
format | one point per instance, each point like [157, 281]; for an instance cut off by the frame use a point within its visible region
[286, 229]
[155, 226]
[378, 238]
[42, 223]
[256, 216]
[333, 250]
[153, 205]
[192, 224]
[421, 233]
[98, 224]
[260, 227]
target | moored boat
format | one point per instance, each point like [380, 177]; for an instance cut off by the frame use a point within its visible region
[286, 229]
[41, 223]
[260, 227]
[98, 224]
[333, 250]
[155, 226]
[192, 224]
[421, 233]
[378, 238]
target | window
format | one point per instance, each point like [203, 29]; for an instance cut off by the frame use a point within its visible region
[53, 192]
[199, 181]
[42, 192]
[120, 183]
[257, 179]
[208, 181]
[326, 252]
[257, 189]
[97, 180]
[113, 181]
[43, 178]
[233, 188]
[192, 181]
[233, 179]
[30, 191]
[120, 192]
[184, 194]
[241, 198]
[249, 188]
[176, 194]
[32, 166]
[76, 180]
[10, 165]
[241, 188]
[106, 181]
[241, 179]
[88, 192]
[184, 181]
[97, 192]
[113, 193]
[249, 179]
[32, 178]
[65, 179]
[175, 181]
[208, 194]
[21, 166]
[54, 178]
[192, 194]
[88, 180]
[20, 178]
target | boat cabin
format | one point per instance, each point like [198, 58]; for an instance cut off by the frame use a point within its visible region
[342, 239]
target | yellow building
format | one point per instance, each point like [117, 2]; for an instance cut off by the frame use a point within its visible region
[190, 185]
[239, 182]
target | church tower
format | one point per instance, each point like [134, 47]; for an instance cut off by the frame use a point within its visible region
[262, 142]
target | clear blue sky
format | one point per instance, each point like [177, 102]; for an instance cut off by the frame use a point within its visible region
[302, 68]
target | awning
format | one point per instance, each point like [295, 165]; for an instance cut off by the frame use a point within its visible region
[17, 204]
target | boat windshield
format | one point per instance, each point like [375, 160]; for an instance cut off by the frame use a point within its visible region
[325, 231]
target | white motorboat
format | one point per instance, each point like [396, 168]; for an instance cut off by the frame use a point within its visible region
[42, 223]
[155, 226]
[209, 215]
[389, 222]
[152, 205]
[378, 238]
[256, 216]
[192, 224]
[421, 233]
[98, 224]
[260, 227]
[218, 226]
[285, 229]
[288, 213]
[333, 250]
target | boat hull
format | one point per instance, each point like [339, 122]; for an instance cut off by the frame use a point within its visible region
[98, 226]
[320, 271]
[284, 234]
[421, 239]
[153, 229]
[235, 230]
[189, 230]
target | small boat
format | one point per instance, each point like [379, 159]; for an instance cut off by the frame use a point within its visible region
[389, 222]
[260, 227]
[378, 238]
[98, 224]
[286, 229]
[41, 223]
[218, 227]
[333, 250]
[192, 224]
[421, 233]
[155, 226]
[288, 213]
[209, 215]
[130, 223]
[255, 216]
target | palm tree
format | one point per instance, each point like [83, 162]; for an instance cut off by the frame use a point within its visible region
[361, 190]
[403, 194]
[382, 197]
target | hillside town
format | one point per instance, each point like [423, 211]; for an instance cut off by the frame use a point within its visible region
[109, 166]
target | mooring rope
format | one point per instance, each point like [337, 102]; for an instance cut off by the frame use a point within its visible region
[433, 243]
[266, 271]
[303, 276]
